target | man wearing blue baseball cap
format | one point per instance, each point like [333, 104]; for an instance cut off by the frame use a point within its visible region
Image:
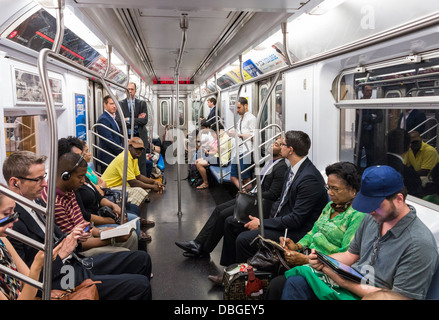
[392, 248]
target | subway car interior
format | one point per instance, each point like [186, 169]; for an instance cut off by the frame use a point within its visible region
[318, 66]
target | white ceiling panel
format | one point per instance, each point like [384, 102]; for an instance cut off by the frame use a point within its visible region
[201, 5]
[213, 36]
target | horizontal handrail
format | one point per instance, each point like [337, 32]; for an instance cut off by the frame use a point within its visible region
[25, 239]
[21, 277]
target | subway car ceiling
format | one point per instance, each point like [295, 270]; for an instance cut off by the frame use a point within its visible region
[147, 35]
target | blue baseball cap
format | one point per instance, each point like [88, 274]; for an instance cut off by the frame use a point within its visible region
[377, 183]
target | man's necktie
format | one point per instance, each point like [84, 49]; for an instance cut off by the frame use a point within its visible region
[131, 105]
[285, 193]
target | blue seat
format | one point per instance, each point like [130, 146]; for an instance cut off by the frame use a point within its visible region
[215, 170]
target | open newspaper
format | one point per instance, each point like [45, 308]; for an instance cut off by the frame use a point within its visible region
[122, 230]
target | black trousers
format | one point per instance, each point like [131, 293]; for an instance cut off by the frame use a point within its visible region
[275, 288]
[213, 230]
[124, 275]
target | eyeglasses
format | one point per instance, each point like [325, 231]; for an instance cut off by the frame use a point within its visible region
[6, 220]
[38, 180]
[283, 144]
[333, 189]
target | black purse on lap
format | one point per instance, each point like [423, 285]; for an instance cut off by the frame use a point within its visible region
[246, 204]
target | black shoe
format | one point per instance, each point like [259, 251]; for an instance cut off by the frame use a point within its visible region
[193, 254]
[188, 245]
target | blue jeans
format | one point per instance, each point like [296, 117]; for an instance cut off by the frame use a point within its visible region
[297, 288]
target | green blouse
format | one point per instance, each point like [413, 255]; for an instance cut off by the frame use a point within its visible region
[333, 235]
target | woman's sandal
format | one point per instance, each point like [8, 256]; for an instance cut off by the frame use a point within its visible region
[203, 186]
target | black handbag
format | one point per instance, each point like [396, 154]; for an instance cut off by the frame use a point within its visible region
[246, 204]
[269, 256]
[106, 211]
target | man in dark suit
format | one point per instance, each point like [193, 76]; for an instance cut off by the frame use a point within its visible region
[212, 232]
[300, 204]
[413, 120]
[108, 119]
[140, 120]
[124, 275]
[211, 103]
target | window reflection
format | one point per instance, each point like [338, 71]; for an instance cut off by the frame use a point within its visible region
[405, 139]
[403, 136]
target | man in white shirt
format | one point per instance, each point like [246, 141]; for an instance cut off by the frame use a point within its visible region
[245, 129]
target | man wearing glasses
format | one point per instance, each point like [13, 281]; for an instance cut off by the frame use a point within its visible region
[301, 202]
[124, 275]
[392, 248]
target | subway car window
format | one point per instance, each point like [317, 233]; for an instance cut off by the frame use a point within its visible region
[181, 112]
[23, 133]
[38, 32]
[393, 134]
[164, 112]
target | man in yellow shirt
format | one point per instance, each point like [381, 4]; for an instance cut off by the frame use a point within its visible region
[421, 156]
[114, 172]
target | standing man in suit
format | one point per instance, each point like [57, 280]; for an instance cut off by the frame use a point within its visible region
[108, 118]
[140, 120]
[301, 202]
[211, 103]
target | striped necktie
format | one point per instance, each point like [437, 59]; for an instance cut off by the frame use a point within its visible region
[285, 193]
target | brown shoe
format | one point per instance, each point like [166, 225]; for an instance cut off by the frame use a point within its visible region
[144, 236]
[218, 280]
[146, 223]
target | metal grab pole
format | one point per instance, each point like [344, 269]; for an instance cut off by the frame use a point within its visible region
[125, 143]
[183, 27]
[235, 116]
[256, 154]
[177, 120]
[285, 44]
[53, 169]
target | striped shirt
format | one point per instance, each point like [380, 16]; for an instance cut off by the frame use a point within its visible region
[68, 214]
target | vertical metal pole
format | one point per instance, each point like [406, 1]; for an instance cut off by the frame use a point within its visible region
[285, 38]
[177, 123]
[125, 144]
[57, 42]
[256, 153]
[237, 155]
[53, 157]
[53, 169]
[218, 104]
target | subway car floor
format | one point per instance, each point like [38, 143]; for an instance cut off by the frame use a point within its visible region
[175, 276]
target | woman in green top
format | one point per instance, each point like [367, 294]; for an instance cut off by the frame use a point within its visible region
[336, 226]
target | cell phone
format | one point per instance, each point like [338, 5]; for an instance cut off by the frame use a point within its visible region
[87, 228]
